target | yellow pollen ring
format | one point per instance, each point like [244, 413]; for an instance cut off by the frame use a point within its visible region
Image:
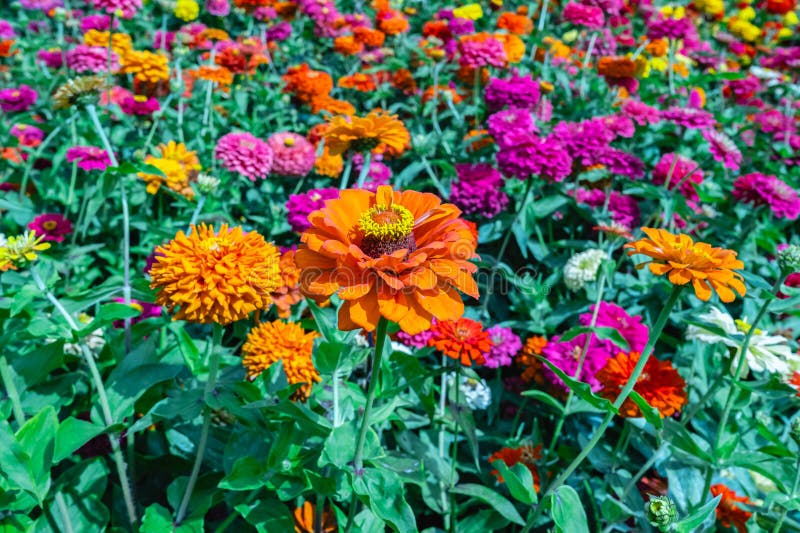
[386, 223]
[288, 142]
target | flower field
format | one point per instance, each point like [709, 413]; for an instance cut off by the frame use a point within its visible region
[338, 266]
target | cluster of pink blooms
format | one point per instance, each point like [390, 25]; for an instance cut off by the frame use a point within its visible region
[678, 171]
[760, 189]
[92, 59]
[582, 15]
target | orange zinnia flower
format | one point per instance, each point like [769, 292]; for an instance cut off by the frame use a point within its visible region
[304, 519]
[270, 342]
[683, 261]
[5, 48]
[527, 359]
[358, 81]
[329, 165]
[146, 66]
[215, 74]
[398, 255]
[616, 67]
[464, 340]
[660, 384]
[307, 84]
[518, 24]
[526, 455]
[215, 276]
[331, 105]
[369, 37]
[288, 293]
[347, 45]
[729, 514]
[365, 133]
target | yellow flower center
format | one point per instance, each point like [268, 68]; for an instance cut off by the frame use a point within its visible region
[140, 98]
[744, 327]
[136, 306]
[50, 225]
[386, 223]
[288, 141]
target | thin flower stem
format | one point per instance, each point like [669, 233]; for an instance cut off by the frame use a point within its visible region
[454, 458]
[586, 60]
[13, 393]
[442, 406]
[335, 391]
[623, 395]
[126, 223]
[211, 383]
[39, 150]
[197, 210]
[348, 168]
[105, 407]
[795, 485]
[365, 167]
[358, 461]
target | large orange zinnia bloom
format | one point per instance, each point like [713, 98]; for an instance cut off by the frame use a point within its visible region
[366, 133]
[729, 514]
[660, 384]
[400, 255]
[215, 276]
[463, 339]
[683, 261]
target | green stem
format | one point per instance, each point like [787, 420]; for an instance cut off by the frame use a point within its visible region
[231, 517]
[358, 461]
[105, 407]
[362, 176]
[623, 395]
[62, 508]
[11, 390]
[517, 215]
[795, 485]
[201, 447]
[348, 168]
[454, 458]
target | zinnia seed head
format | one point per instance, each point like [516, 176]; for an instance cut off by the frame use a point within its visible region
[386, 229]
[789, 259]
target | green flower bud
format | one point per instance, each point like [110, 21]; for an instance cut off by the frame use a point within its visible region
[661, 512]
[789, 259]
[795, 431]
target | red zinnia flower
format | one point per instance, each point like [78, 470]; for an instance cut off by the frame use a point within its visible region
[728, 514]
[526, 455]
[461, 339]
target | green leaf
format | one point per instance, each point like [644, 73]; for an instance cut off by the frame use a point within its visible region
[108, 314]
[487, 495]
[37, 438]
[582, 390]
[464, 418]
[72, 434]
[601, 333]
[340, 445]
[545, 398]
[157, 519]
[519, 484]
[267, 515]
[247, 474]
[385, 495]
[692, 522]
[650, 413]
[567, 511]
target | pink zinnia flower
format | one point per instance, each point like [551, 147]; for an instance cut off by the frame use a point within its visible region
[19, 99]
[92, 59]
[565, 356]
[126, 7]
[146, 310]
[52, 226]
[89, 157]
[478, 189]
[610, 315]
[218, 8]
[640, 112]
[300, 206]
[589, 16]
[679, 174]
[689, 117]
[293, 155]
[97, 22]
[52, 58]
[26, 134]
[511, 126]
[723, 149]
[136, 104]
[419, 340]
[477, 53]
[505, 346]
[534, 156]
[760, 189]
[244, 154]
[377, 175]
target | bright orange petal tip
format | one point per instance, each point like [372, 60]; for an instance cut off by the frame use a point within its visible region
[400, 255]
[707, 268]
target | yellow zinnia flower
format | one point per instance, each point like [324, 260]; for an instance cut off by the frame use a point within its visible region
[469, 11]
[365, 133]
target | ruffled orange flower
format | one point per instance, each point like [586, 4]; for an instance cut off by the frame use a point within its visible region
[369, 37]
[392, 22]
[728, 513]
[358, 81]
[5, 48]
[399, 255]
[270, 342]
[145, 66]
[526, 455]
[304, 517]
[307, 84]
[684, 261]
[616, 67]
[365, 133]
[403, 80]
[464, 340]
[219, 75]
[329, 165]
[347, 45]
[215, 276]
[513, 45]
[179, 167]
[332, 106]
[514, 23]
[660, 384]
[288, 294]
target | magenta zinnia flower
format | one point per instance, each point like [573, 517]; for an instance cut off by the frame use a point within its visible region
[218, 8]
[723, 149]
[146, 310]
[126, 7]
[419, 340]
[96, 22]
[137, 104]
[689, 117]
[478, 189]
[19, 99]
[505, 346]
[377, 175]
[52, 226]
[482, 53]
[640, 112]
[760, 189]
[511, 126]
[26, 134]
[631, 329]
[92, 59]
[89, 157]
[244, 154]
[565, 356]
[516, 91]
[293, 155]
[589, 16]
[679, 174]
[52, 58]
[534, 156]
[300, 206]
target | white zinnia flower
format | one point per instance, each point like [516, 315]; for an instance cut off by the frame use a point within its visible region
[582, 268]
[765, 353]
[475, 393]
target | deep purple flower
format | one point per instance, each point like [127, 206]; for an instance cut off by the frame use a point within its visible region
[479, 190]
[279, 32]
[53, 226]
[516, 91]
[534, 156]
[300, 206]
[19, 99]
[52, 58]
[511, 126]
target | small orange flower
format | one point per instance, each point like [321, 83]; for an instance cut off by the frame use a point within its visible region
[616, 67]
[365, 133]
[332, 106]
[146, 66]
[219, 75]
[369, 37]
[270, 342]
[307, 84]
[358, 81]
[215, 276]
[392, 22]
[464, 340]
[684, 261]
[329, 165]
[527, 359]
[304, 519]
[517, 24]
[439, 92]
[526, 455]
[477, 140]
[513, 45]
[402, 256]
[5, 48]
[658, 47]
[403, 80]
[288, 293]
[347, 45]
[660, 384]
[728, 513]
